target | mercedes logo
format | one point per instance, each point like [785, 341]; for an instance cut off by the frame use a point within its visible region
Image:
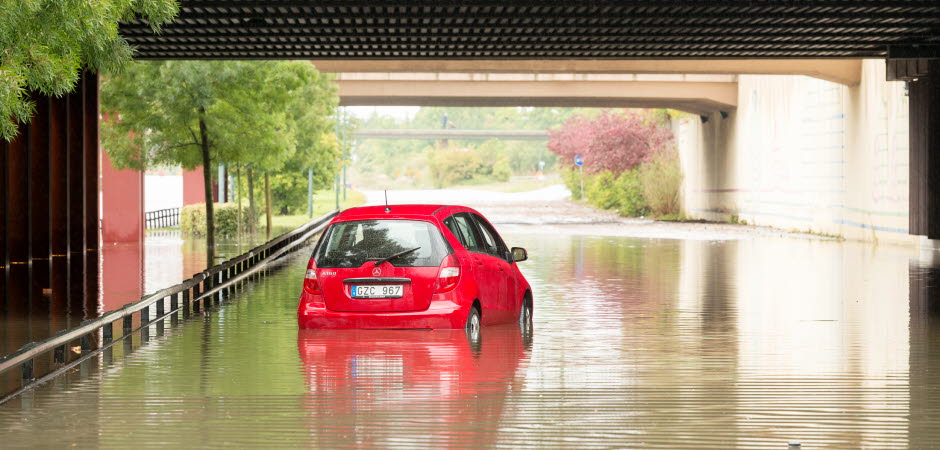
[376, 271]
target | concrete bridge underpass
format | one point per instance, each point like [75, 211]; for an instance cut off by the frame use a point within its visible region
[695, 93]
[504, 135]
[809, 115]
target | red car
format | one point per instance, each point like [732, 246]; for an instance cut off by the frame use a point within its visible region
[413, 266]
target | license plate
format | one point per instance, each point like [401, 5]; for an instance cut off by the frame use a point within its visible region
[376, 291]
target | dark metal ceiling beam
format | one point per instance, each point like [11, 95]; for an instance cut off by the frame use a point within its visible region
[540, 29]
[517, 32]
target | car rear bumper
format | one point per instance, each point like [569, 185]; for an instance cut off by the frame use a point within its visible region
[443, 313]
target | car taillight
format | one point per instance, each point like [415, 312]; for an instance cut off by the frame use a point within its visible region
[311, 283]
[449, 275]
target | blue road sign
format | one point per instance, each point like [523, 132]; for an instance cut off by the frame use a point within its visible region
[578, 161]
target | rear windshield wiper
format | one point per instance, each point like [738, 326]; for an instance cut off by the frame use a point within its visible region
[389, 258]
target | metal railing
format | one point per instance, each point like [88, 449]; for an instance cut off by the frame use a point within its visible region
[202, 290]
[161, 218]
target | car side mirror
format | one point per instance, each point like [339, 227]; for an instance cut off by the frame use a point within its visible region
[519, 254]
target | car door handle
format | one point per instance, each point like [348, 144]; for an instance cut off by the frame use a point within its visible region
[479, 263]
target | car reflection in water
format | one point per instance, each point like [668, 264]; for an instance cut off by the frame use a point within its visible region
[426, 388]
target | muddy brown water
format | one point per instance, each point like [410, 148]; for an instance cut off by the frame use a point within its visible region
[637, 343]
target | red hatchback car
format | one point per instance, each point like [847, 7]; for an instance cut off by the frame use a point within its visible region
[413, 266]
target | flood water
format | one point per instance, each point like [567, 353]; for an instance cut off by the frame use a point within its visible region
[647, 343]
[60, 294]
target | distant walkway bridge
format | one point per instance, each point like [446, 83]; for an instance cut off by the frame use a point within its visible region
[505, 135]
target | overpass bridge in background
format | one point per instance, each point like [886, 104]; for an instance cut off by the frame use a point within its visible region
[504, 135]
[842, 71]
[694, 93]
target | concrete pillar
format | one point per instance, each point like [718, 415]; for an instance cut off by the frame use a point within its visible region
[92, 227]
[39, 180]
[59, 212]
[4, 155]
[90, 150]
[924, 358]
[924, 96]
[48, 216]
[58, 168]
[18, 199]
[39, 209]
[75, 179]
[222, 185]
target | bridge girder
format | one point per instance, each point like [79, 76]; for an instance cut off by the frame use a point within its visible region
[842, 71]
[694, 97]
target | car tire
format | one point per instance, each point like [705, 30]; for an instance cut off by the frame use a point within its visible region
[525, 313]
[473, 325]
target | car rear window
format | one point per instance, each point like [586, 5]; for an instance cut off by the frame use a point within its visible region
[352, 244]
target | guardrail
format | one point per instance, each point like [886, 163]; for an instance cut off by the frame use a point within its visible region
[161, 218]
[202, 289]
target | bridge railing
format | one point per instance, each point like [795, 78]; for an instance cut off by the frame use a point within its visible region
[188, 297]
[169, 217]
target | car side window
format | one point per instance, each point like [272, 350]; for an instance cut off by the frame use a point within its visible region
[451, 224]
[494, 245]
[462, 227]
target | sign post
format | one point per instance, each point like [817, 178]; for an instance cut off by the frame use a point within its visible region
[580, 163]
[310, 193]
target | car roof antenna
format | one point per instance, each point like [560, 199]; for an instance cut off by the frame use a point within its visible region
[387, 209]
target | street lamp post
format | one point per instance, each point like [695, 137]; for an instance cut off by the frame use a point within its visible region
[345, 155]
[578, 161]
[336, 178]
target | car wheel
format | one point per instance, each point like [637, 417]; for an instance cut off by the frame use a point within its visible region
[525, 313]
[473, 325]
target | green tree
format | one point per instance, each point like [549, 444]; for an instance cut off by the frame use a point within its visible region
[46, 43]
[202, 113]
[289, 185]
[309, 114]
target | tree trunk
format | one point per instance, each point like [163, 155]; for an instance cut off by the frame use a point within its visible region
[238, 202]
[267, 201]
[251, 202]
[207, 183]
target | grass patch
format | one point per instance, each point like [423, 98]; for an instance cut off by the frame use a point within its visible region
[514, 185]
[323, 202]
[173, 228]
[679, 217]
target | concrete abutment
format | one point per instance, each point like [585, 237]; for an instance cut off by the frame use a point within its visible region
[806, 154]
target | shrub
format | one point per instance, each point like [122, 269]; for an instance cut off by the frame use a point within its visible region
[288, 192]
[572, 180]
[653, 187]
[601, 190]
[451, 166]
[661, 178]
[610, 141]
[622, 193]
[501, 170]
[193, 219]
[632, 199]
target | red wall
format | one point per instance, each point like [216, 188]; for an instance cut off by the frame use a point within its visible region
[122, 203]
[193, 191]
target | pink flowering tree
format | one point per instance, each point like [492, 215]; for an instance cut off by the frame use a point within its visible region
[611, 141]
